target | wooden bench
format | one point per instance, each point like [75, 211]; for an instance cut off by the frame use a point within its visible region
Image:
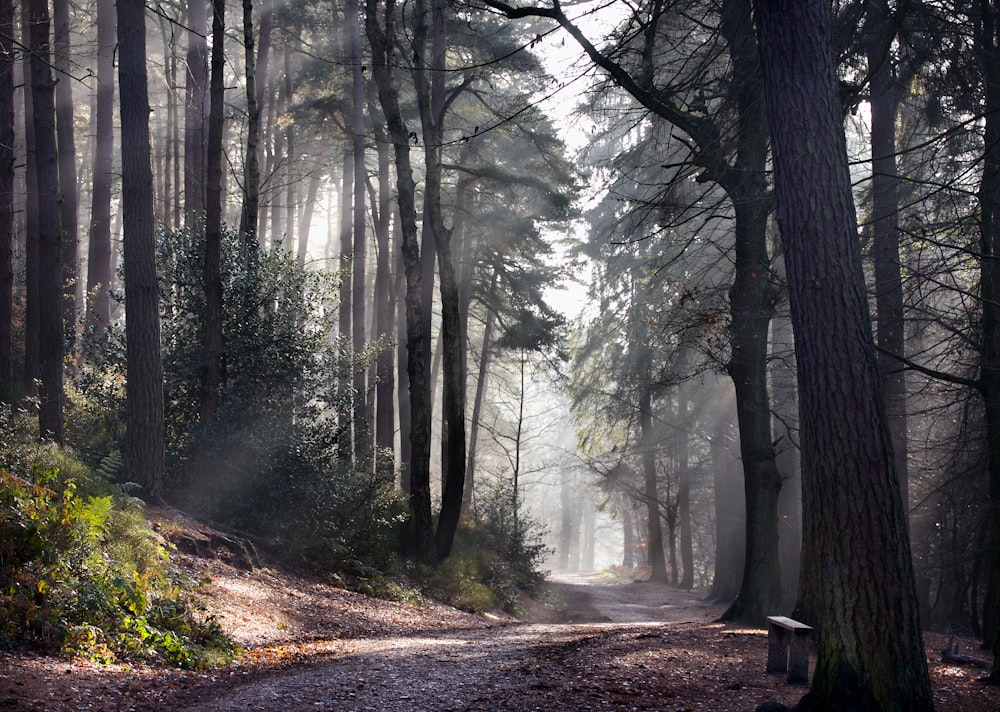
[788, 648]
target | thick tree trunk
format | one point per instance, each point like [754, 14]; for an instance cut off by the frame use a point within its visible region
[6, 201]
[144, 436]
[211, 379]
[99, 247]
[987, 37]
[854, 520]
[784, 398]
[66, 143]
[430, 99]
[50, 287]
[194, 116]
[654, 530]
[751, 301]
[416, 336]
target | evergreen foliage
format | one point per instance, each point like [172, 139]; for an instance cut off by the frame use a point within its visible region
[273, 445]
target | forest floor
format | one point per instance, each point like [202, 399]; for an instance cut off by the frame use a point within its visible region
[608, 645]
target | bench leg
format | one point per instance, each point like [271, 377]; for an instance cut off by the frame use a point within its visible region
[777, 649]
[798, 659]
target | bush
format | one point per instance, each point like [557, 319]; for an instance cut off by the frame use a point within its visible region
[270, 464]
[86, 575]
[495, 560]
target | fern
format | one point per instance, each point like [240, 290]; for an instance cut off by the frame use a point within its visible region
[111, 465]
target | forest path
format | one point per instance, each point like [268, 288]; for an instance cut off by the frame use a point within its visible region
[613, 645]
[604, 651]
[595, 597]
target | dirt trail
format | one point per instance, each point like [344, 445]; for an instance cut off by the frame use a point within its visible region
[506, 666]
[312, 646]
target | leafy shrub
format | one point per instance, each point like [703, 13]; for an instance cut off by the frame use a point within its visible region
[496, 558]
[270, 464]
[86, 575]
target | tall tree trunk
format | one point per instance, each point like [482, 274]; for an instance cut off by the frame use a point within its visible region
[172, 180]
[751, 302]
[306, 214]
[987, 44]
[291, 159]
[684, 491]
[429, 81]
[99, 247]
[654, 529]
[628, 536]
[485, 356]
[261, 67]
[385, 415]
[144, 436]
[884, 99]
[730, 515]
[194, 116]
[212, 345]
[66, 143]
[416, 337]
[345, 386]
[6, 201]
[362, 426]
[566, 500]
[30, 373]
[251, 172]
[854, 520]
[50, 287]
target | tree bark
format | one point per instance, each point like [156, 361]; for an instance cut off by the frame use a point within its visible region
[30, 372]
[6, 201]
[99, 246]
[66, 149]
[251, 173]
[212, 275]
[362, 427]
[144, 436]
[385, 416]
[987, 45]
[429, 80]
[654, 529]
[729, 512]
[684, 491]
[854, 520]
[416, 337]
[194, 116]
[50, 287]
[751, 301]
[345, 387]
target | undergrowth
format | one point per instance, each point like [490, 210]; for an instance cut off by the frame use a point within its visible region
[496, 558]
[82, 573]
